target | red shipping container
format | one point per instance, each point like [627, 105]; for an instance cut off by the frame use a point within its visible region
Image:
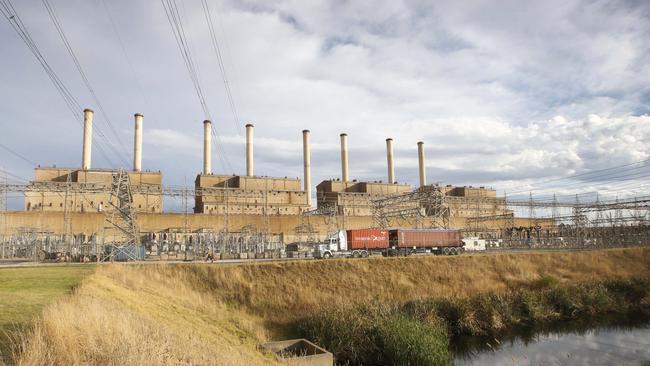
[367, 239]
[425, 238]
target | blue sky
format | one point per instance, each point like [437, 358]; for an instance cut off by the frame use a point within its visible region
[504, 93]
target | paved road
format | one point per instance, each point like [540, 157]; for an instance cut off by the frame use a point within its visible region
[9, 263]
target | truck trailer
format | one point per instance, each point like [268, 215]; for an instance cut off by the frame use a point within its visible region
[436, 241]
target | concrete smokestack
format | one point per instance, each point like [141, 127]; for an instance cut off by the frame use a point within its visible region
[389, 159]
[207, 147]
[249, 150]
[345, 176]
[88, 139]
[137, 143]
[423, 170]
[306, 158]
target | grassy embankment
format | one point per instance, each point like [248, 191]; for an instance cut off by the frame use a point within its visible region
[128, 315]
[25, 291]
[207, 314]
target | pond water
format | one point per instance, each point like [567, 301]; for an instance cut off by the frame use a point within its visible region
[606, 346]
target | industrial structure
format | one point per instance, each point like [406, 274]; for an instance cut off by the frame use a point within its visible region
[107, 214]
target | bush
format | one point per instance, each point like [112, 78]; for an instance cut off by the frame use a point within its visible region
[408, 341]
[418, 332]
[544, 281]
[376, 334]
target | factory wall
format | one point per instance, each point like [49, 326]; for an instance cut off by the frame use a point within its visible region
[90, 223]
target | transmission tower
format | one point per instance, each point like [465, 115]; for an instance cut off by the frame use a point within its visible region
[120, 220]
[67, 217]
[425, 202]
[3, 211]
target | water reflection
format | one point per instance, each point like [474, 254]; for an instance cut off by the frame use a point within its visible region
[606, 346]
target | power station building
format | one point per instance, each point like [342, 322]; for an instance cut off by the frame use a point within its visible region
[57, 189]
[245, 195]
[230, 202]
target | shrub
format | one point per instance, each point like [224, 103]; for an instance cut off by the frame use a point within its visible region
[407, 341]
[544, 281]
[376, 334]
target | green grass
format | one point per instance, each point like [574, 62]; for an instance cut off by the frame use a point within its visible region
[25, 291]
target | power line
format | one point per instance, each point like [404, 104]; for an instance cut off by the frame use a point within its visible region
[591, 172]
[224, 76]
[13, 175]
[57, 24]
[124, 51]
[9, 12]
[180, 36]
[18, 155]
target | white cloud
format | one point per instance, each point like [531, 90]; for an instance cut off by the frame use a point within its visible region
[502, 93]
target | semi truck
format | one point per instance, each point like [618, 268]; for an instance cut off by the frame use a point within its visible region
[361, 243]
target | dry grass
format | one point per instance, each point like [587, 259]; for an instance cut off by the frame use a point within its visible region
[281, 292]
[215, 314]
[25, 291]
[118, 316]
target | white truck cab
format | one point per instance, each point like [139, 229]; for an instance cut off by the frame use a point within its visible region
[335, 246]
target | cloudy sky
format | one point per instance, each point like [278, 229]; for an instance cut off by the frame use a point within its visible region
[514, 95]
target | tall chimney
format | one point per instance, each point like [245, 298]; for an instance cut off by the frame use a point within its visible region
[137, 143]
[249, 150]
[88, 139]
[306, 158]
[423, 170]
[207, 147]
[389, 158]
[344, 158]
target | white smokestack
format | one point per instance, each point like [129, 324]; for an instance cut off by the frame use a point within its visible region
[137, 143]
[306, 158]
[344, 158]
[207, 147]
[389, 159]
[423, 171]
[88, 139]
[249, 150]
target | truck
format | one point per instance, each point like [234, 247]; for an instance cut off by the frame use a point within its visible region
[358, 243]
[361, 243]
[435, 241]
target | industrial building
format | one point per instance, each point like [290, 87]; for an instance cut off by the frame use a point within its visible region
[57, 189]
[245, 195]
[91, 202]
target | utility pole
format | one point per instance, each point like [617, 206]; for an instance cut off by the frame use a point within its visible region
[3, 210]
[67, 219]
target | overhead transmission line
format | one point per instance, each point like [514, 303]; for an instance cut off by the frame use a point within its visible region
[124, 51]
[626, 172]
[9, 12]
[616, 178]
[180, 36]
[57, 24]
[19, 178]
[222, 68]
[591, 172]
[20, 156]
